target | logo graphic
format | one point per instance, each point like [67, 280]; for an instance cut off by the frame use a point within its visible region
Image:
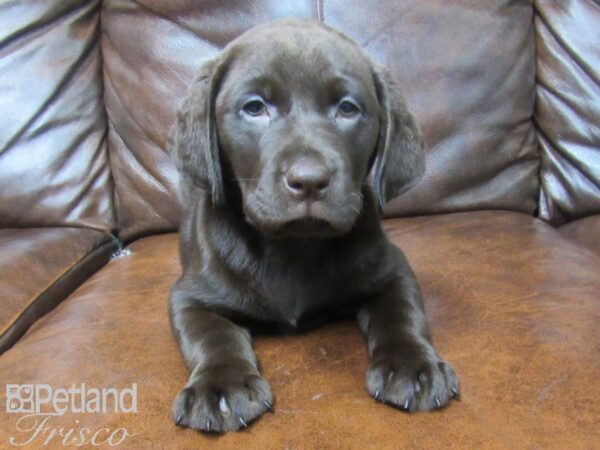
[43, 398]
[41, 419]
[20, 398]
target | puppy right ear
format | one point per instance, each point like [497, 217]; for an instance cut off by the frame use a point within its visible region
[400, 159]
[193, 142]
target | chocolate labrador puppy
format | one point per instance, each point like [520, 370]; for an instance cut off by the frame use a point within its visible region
[289, 143]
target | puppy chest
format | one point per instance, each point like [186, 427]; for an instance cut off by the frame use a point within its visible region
[300, 299]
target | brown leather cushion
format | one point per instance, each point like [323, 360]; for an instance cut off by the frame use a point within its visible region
[513, 306]
[467, 70]
[53, 159]
[586, 232]
[568, 108]
[39, 267]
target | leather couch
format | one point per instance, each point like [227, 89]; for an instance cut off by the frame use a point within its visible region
[503, 231]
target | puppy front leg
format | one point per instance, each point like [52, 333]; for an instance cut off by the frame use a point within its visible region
[405, 370]
[225, 390]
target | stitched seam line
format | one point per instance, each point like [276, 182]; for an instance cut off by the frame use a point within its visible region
[52, 283]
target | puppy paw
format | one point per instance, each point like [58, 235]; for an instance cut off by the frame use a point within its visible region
[223, 398]
[421, 382]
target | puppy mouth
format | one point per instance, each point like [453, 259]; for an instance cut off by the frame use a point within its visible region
[301, 226]
[317, 219]
[308, 227]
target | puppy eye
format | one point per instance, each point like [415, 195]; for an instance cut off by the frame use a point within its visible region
[347, 109]
[255, 108]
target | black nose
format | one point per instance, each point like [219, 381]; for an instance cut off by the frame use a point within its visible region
[307, 179]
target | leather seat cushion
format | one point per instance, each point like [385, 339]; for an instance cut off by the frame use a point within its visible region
[512, 305]
[585, 231]
[39, 267]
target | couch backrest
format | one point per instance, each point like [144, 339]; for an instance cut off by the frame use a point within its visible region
[53, 159]
[467, 69]
[568, 108]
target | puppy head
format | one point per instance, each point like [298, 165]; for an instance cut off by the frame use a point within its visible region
[297, 118]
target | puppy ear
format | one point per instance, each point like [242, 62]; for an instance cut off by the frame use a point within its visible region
[399, 158]
[194, 145]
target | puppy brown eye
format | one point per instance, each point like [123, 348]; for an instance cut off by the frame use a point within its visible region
[348, 109]
[254, 107]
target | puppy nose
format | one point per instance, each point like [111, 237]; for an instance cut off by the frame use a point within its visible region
[307, 179]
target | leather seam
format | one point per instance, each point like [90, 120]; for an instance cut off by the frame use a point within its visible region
[81, 262]
[320, 17]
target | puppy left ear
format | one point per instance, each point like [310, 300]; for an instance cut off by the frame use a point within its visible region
[193, 140]
[399, 158]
